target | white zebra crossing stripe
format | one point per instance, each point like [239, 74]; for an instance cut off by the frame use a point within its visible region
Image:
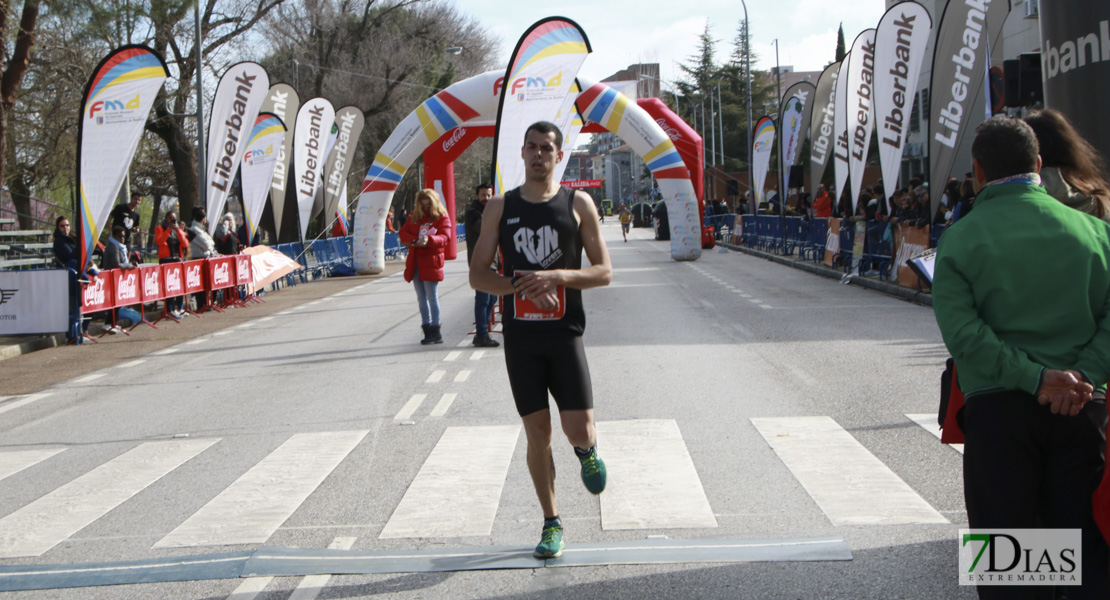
[250, 588]
[444, 403]
[13, 402]
[15, 461]
[850, 484]
[928, 422]
[310, 586]
[250, 510]
[410, 407]
[46, 522]
[652, 481]
[458, 488]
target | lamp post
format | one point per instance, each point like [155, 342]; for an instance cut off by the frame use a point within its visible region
[748, 77]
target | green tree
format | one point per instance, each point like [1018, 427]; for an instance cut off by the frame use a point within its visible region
[15, 55]
[840, 51]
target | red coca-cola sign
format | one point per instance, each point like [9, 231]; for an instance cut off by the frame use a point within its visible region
[219, 272]
[96, 295]
[194, 276]
[127, 286]
[243, 274]
[458, 134]
[577, 184]
[151, 277]
[173, 279]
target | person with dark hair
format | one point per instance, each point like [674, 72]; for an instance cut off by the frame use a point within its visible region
[425, 234]
[1020, 296]
[1073, 172]
[483, 302]
[967, 199]
[822, 205]
[201, 244]
[65, 245]
[542, 229]
[126, 215]
[172, 245]
[227, 243]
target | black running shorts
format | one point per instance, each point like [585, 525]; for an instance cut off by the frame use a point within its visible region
[539, 362]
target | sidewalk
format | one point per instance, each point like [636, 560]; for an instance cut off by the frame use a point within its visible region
[924, 298]
[31, 363]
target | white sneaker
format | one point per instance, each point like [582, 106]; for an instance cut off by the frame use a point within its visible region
[115, 330]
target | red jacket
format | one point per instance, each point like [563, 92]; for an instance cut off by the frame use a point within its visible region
[822, 206]
[427, 259]
[162, 235]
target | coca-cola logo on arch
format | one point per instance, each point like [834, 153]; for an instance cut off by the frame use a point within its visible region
[667, 129]
[459, 133]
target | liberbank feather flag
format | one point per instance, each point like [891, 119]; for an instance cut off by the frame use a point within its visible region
[239, 97]
[763, 142]
[541, 73]
[794, 121]
[314, 122]
[821, 131]
[259, 162]
[840, 127]
[860, 109]
[282, 101]
[960, 59]
[900, 42]
[349, 121]
[117, 100]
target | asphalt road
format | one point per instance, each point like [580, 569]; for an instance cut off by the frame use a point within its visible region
[738, 401]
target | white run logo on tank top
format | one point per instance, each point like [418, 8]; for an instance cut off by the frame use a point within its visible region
[539, 247]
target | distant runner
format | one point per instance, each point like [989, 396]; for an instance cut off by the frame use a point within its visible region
[626, 221]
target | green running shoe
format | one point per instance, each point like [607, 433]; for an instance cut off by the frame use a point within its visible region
[593, 471]
[551, 545]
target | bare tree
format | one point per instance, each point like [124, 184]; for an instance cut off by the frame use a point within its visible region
[15, 57]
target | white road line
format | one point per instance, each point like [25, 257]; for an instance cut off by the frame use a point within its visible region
[250, 588]
[657, 486]
[250, 510]
[443, 404]
[461, 377]
[134, 363]
[743, 295]
[765, 306]
[88, 378]
[464, 342]
[705, 303]
[200, 341]
[452, 356]
[409, 407]
[16, 401]
[264, 319]
[312, 585]
[166, 351]
[17, 460]
[755, 300]
[850, 484]
[478, 354]
[46, 522]
[928, 421]
[436, 376]
[223, 332]
[245, 325]
[458, 488]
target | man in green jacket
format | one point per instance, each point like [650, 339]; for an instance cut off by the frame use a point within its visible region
[1022, 297]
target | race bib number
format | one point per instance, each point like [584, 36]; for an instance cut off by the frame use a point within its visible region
[526, 310]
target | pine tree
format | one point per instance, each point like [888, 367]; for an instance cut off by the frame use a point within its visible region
[840, 52]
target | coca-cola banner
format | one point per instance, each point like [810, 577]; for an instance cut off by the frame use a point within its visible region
[1075, 59]
[98, 294]
[900, 42]
[126, 284]
[243, 269]
[151, 281]
[966, 32]
[860, 82]
[239, 97]
[282, 101]
[34, 301]
[822, 134]
[219, 271]
[173, 279]
[194, 276]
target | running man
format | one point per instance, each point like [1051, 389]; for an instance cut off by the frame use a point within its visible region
[542, 229]
[626, 221]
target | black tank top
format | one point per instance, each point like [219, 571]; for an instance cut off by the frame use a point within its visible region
[536, 236]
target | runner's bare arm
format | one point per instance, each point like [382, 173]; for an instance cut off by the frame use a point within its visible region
[600, 271]
[483, 278]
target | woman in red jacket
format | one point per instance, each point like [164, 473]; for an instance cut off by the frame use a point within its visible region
[172, 246]
[425, 234]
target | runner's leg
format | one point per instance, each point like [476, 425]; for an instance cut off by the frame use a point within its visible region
[537, 429]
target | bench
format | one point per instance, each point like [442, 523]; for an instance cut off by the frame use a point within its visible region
[25, 262]
[24, 233]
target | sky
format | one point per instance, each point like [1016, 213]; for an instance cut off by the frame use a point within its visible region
[625, 32]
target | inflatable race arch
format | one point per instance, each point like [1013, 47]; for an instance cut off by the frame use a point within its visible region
[445, 125]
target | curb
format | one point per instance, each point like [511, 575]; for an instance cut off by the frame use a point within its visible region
[47, 341]
[891, 289]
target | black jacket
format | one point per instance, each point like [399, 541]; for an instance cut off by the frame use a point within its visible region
[472, 225]
[65, 250]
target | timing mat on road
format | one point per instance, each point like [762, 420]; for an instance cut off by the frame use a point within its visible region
[287, 562]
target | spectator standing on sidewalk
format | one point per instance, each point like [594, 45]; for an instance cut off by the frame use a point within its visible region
[172, 244]
[1073, 171]
[1020, 295]
[425, 234]
[65, 245]
[483, 302]
[126, 215]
